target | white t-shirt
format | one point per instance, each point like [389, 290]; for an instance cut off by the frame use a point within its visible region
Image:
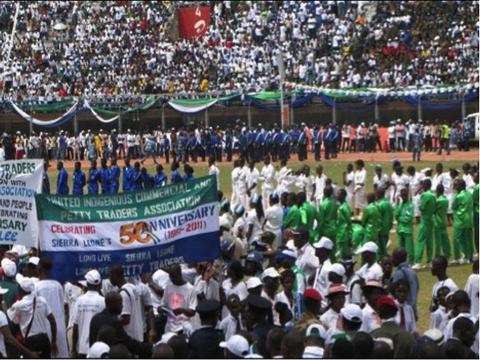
[267, 175]
[240, 289]
[400, 182]
[360, 177]
[253, 176]
[71, 294]
[21, 313]
[439, 284]
[330, 318]
[306, 260]
[2, 154]
[132, 305]
[274, 219]
[175, 297]
[371, 320]
[213, 170]
[86, 307]
[471, 288]
[350, 178]
[373, 272]
[3, 322]
[320, 186]
[252, 219]
[229, 326]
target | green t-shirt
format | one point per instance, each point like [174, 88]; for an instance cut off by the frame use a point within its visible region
[308, 216]
[463, 210]
[293, 219]
[404, 215]
[441, 208]
[344, 221]
[386, 213]
[328, 215]
[358, 234]
[371, 222]
[427, 206]
[475, 199]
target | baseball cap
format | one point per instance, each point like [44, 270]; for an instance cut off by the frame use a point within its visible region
[368, 247]
[93, 277]
[237, 345]
[436, 335]
[324, 243]
[223, 222]
[374, 283]
[98, 350]
[253, 282]
[270, 272]
[25, 283]
[316, 330]
[387, 300]
[338, 269]
[312, 294]
[337, 289]
[352, 312]
[160, 278]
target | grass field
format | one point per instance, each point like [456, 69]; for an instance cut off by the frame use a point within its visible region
[334, 170]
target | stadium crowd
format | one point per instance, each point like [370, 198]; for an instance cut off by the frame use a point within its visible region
[286, 284]
[126, 48]
[190, 142]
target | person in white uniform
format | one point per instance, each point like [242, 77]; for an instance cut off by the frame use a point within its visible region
[274, 219]
[86, 306]
[239, 185]
[213, 170]
[349, 183]
[306, 183]
[319, 186]
[52, 292]
[267, 177]
[416, 179]
[381, 180]
[399, 181]
[360, 192]
[253, 178]
[286, 179]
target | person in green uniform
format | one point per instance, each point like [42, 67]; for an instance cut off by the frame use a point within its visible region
[404, 215]
[308, 214]
[462, 207]
[358, 234]
[476, 210]
[371, 220]
[344, 223]
[386, 221]
[425, 229]
[327, 214]
[293, 219]
[441, 243]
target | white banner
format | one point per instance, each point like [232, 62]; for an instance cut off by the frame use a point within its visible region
[19, 181]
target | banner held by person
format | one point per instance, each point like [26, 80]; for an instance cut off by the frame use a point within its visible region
[143, 231]
[20, 180]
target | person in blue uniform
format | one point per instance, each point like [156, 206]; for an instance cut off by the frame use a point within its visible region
[148, 180]
[259, 143]
[228, 144]
[166, 148]
[62, 179]
[93, 178]
[104, 176]
[268, 143]
[276, 141]
[205, 342]
[137, 177]
[302, 144]
[251, 135]
[242, 143]
[188, 170]
[317, 143]
[191, 147]
[160, 178]
[127, 176]
[294, 134]
[79, 179]
[219, 145]
[328, 140]
[45, 180]
[175, 176]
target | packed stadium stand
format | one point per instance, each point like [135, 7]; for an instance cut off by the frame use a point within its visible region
[65, 48]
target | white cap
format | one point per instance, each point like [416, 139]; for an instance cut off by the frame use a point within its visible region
[9, 267]
[237, 345]
[385, 340]
[316, 330]
[436, 335]
[98, 350]
[352, 312]
[338, 269]
[368, 246]
[93, 277]
[324, 243]
[290, 252]
[253, 282]
[270, 272]
[223, 222]
[20, 250]
[313, 352]
[25, 283]
[160, 278]
[34, 260]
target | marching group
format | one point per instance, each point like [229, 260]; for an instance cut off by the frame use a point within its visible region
[188, 143]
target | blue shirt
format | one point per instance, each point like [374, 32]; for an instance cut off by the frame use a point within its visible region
[137, 180]
[176, 177]
[148, 181]
[105, 180]
[45, 184]
[93, 178]
[404, 271]
[160, 180]
[79, 181]
[114, 176]
[127, 180]
[187, 178]
[62, 182]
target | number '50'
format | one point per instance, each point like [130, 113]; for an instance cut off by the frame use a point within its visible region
[131, 232]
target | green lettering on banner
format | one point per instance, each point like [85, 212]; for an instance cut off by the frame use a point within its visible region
[128, 206]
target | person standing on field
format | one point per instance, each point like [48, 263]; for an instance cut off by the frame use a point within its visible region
[425, 230]
[404, 215]
[441, 243]
[462, 222]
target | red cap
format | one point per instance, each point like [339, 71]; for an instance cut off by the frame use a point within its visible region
[386, 300]
[312, 294]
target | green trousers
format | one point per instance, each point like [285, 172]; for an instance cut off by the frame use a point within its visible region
[382, 246]
[405, 241]
[424, 238]
[463, 242]
[342, 245]
[441, 243]
[475, 226]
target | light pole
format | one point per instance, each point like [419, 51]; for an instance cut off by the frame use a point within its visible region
[281, 71]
